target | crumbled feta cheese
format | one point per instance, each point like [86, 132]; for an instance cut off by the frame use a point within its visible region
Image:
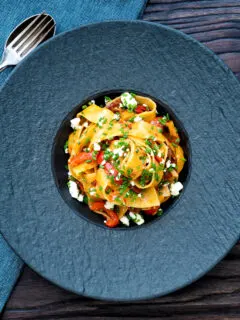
[132, 183]
[128, 100]
[109, 205]
[165, 170]
[92, 101]
[139, 195]
[151, 170]
[154, 139]
[118, 177]
[116, 116]
[162, 161]
[175, 188]
[119, 151]
[85, 124]
[96, 146]
[170, 164]
[92, 191]
[66, 150]
[132, 215]
[112, 171]
[73, 189]
[127, 149]
[125, 154]
[103, 162]
[144, 104]
[137, 119]
[125, 221]
[80, 197]
[137, 218]
[120, 105]
[75, 123]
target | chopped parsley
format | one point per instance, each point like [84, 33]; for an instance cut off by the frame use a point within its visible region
[164, 119]
[160, 212]
[65, 145]
[107, 154]
[85, 199]
[129, 171]
[145, 177]
[107, 99]
[174, 145]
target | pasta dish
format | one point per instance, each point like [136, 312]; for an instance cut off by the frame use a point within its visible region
[124, 159]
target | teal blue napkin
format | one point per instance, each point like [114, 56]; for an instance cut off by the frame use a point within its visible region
[68, 14]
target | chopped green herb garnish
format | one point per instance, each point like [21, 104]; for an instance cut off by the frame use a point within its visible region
[160, 212]
[84, 106]
[66, 145]
[149, 150]
[85, 199]
[107, 99]
[129, 171]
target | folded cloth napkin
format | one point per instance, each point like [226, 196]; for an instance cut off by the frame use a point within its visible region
[68, 14]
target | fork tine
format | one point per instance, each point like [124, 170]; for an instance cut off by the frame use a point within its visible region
[26, 39]
[26, 29]
[35, 42]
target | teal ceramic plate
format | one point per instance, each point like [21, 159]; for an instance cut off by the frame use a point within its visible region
[41, 225]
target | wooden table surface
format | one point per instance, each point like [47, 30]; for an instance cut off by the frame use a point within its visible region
[216, 23]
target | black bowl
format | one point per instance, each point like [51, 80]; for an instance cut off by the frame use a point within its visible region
[60, 158]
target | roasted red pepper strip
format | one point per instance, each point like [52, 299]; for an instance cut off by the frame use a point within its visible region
[140, 108]
[80, 158]
[159, 159]
[97, 206]
[112, 220]
[110, 169]
[151, 211]
[100, 157]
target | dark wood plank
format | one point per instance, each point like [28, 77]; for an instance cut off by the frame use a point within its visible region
[216, 23]
[216, 296]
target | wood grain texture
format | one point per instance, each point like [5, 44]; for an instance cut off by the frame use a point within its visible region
[216, 23]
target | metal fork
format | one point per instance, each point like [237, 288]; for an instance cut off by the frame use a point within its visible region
[25, 37]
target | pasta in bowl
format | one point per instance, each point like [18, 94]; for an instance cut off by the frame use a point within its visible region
[124, 159]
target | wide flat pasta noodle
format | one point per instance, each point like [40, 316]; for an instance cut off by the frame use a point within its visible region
[148, 199]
